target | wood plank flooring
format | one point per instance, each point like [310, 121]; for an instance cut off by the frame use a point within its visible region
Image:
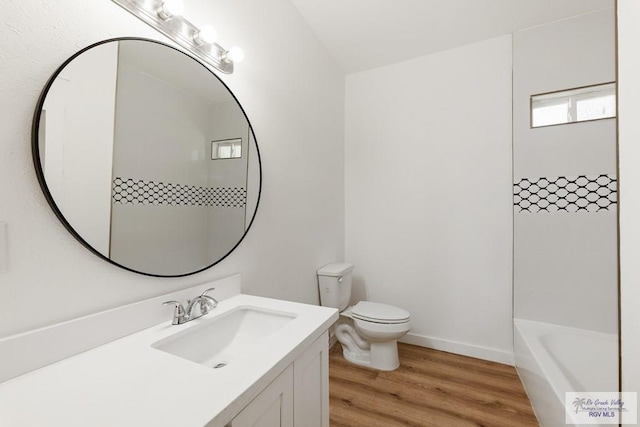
[430, 388]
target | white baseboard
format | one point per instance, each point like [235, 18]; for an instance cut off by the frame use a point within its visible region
[479, 352]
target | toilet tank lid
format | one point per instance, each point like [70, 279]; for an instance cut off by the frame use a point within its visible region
[335, 269]
[374, 310]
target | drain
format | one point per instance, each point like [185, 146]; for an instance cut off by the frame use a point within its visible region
[220, 365]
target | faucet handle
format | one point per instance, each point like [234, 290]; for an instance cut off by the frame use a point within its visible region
[178, 312]
[204, 294]
[207, 302]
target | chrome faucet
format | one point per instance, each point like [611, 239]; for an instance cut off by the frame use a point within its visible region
[183, 315]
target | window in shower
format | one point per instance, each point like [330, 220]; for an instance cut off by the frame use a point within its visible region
[574, 105]
[226, 149]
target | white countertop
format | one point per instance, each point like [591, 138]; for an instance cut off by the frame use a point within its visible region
[129, 383]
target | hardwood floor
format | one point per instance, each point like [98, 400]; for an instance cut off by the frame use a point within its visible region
[430, 388]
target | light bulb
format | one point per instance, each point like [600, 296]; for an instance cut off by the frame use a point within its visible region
[235, 54]
[170, 8]
[206, 35]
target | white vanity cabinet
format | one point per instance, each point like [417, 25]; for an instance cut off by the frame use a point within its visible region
[311, 385]
[273, 407]
[284, 383]
[298, 397]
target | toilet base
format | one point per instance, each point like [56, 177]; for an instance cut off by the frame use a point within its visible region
[382, 356]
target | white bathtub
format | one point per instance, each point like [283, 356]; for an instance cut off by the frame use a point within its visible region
[553, 359]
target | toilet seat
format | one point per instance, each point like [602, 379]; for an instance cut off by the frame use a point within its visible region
[379, 313]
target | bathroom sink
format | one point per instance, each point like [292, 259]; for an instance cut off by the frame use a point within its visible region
[227, 338]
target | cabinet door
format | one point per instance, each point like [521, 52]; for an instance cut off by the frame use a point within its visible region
[311, 385]
[273, 407]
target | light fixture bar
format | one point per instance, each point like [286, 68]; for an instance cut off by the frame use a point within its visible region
[180, 30]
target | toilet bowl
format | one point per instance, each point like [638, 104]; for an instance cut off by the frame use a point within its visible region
[371, 339]
[367, 331]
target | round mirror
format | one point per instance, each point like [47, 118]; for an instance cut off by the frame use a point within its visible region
[146, 157]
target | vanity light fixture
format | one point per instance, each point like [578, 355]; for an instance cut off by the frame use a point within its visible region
[233, 55]
[170, 8]
[166, 17]
[206, 35]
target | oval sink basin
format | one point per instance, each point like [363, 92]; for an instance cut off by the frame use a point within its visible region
[224, 339]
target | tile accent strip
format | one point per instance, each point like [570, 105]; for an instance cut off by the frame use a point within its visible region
[139, 192]
[587, 193]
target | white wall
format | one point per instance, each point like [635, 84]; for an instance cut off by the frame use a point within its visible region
[77, 134]
[629, 173]
[428, 194]
[565, 263]
[295, 102]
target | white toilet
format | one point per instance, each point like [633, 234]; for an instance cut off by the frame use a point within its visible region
[367, 331]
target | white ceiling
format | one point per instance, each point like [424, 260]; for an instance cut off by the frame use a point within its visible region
[363, 34]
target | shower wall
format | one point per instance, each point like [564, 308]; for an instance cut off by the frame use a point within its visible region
[565, 253]
[146, 144]
[225, 223]
[163, 172]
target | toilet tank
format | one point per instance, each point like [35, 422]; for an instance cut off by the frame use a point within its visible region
[334, 284]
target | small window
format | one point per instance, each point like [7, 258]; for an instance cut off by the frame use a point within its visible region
[226, 149]
[574, 105]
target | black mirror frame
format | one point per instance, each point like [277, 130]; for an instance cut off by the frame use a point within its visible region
[35, 150]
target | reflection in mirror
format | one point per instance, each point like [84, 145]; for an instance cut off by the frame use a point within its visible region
[122, 147]
[226, 149]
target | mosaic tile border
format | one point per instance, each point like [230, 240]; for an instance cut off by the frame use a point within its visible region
[582, 193]
[139, 192]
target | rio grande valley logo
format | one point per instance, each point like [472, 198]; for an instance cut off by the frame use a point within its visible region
[600, 407]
